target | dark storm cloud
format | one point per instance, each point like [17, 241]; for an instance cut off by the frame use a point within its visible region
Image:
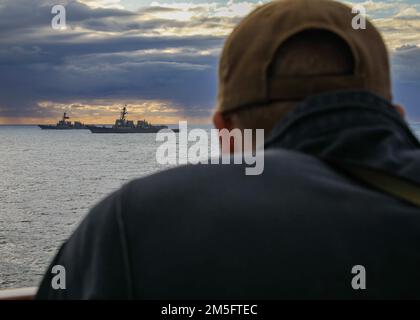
[53, 52]
[18, 15]
[186, 80]
[38, 63]
[121, 55]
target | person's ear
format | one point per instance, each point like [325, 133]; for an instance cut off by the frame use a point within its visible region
[400, 109]
[222, 122]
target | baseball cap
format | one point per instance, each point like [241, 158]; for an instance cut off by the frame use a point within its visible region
[251, 49]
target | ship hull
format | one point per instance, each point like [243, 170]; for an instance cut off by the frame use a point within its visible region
[52, 127]
[95, 129]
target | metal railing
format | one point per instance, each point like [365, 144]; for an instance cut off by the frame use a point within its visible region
[18, 294]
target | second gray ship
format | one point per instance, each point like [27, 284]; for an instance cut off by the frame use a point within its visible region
[63, 124]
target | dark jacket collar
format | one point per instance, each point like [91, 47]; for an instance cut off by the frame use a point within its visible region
[354, 127]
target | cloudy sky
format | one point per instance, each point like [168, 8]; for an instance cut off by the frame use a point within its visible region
[160, 58]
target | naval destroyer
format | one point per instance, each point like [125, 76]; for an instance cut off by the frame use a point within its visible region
[63, 124]
[122, 125]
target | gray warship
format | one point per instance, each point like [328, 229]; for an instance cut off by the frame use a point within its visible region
[122, 125]
[63, 124]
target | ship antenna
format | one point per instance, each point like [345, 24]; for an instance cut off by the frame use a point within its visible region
[123, 113]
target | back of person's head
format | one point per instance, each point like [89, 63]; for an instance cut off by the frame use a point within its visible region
[300, 48]
[311, 53]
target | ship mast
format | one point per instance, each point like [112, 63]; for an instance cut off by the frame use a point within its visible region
[65, 116]
[123, 113]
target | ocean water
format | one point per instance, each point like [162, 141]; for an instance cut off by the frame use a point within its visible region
[48, 182]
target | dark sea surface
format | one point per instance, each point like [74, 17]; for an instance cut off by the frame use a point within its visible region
[50, 179]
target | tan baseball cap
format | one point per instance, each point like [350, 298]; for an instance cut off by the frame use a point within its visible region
[250, 50]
